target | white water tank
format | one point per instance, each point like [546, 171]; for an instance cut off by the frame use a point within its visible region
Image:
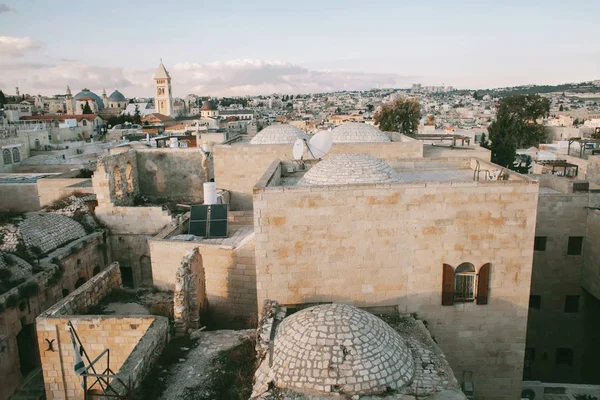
[210, 193]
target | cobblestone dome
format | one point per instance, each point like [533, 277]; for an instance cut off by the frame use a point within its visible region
[49, 231]
[18, 267]
[339, 348]
[279, 134]
[347, 169]
[356, 132]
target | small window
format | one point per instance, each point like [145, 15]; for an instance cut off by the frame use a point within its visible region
[539, 244]
[6, 158]
[16, 155]
[564, 356]
[464, 282]
[575, 243]
[535, 301]
[84, 122]
[571, 304]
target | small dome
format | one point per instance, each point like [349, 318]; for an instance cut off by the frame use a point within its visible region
[49, 231]
[279, 134]
[356, 132]
[347, 169]
[18, 267]
[339, 348]
[86, 93]
[116, 96]
[208, 106]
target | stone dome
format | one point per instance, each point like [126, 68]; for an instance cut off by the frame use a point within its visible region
[208, 106]
[19, 268]
[279, 134]
[92, 95]
[347, 169]
[339, 348]
[116, 96]
[356, 132]
[49, 231]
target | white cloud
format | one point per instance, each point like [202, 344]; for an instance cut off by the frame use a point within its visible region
[4, 8]
[16, 47]
[220, 78]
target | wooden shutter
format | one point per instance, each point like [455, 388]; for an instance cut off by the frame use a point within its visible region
[448, 285]
[483, 284]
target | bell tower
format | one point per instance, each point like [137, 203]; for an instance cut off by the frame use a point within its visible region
[163, 97]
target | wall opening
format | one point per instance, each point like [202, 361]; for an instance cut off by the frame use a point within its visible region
[129, 177]
[28, 349]
[118, 184]
[127, 276]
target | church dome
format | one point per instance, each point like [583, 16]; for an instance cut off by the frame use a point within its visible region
[116, 96]
[208, 106]
[339, 348]
[279, 134]
[49, 231]
[345, 169]
[356, 132]
[87, 93]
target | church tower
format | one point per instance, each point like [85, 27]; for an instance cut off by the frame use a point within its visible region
[69, 101]
[163, 99]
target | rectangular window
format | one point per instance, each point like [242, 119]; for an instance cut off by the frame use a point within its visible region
[539, 244]
[535, 301]
[464, 287]
[571, 304]
[575, 243]
[564, 356]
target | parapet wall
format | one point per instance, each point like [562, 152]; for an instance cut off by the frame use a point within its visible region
[134, 342]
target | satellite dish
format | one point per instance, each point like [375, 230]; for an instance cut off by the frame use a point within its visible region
[320, 144]
[298, 149]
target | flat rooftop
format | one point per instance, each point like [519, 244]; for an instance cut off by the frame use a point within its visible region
[22, 178]
[237, 236]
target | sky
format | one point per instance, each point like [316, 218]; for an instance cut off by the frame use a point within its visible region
[237, 48]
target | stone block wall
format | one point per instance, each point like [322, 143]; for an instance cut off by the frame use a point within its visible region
[381, 245]
[557, 275]
[590, 278]
[19, 197]
[120, 334]
[230, 276]
[132, 251]
[189, 297]
[174, 173]
[50, 189]
[238, 167]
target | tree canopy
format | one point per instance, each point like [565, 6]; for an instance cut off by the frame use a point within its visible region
[516, 126]
[137, 116]
[87, 109]
[401, 115]
[3, 100]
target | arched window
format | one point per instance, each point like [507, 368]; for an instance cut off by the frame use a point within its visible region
[37, 143]
[6, 158]
[129, 177]
[84, 122]
[464, 282]
[16, 155]
[118, 184]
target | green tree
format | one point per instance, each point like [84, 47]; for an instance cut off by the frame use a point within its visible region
[2, 99]
[516, 126]
[561, 108]
[475, 95]
[483, 142]
[87, 109]
[401, 115]
[370, 107]
[137, 117]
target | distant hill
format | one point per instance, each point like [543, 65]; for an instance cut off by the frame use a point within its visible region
[583, 87]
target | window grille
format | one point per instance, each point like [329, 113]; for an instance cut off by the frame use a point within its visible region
[6, 158]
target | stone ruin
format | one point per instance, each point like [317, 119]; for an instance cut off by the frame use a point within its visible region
[337, 349]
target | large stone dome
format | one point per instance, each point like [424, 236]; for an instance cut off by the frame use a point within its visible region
[339, 348]
[356, 132]
[208, 106]
[49, 231]
[279, 134]
[92, 95]
[347, 169]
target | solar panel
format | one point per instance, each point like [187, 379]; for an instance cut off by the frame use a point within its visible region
[208, 221]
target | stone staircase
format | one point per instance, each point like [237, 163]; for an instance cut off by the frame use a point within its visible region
[32, 388]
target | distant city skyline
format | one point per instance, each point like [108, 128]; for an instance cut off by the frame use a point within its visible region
[235, 48]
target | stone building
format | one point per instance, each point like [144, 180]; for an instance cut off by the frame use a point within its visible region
[163, 100]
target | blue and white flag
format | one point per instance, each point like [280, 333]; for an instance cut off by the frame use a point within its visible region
[79, 366]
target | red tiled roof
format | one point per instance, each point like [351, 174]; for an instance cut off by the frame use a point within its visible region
[158, 116]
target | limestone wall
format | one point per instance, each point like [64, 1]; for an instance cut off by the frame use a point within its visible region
[437, 151]
[230, 276]
[190, 293]
[50, 189]
[590, 279]
[378, 245]
[20, 197]
[556, 275]
[174, 173]
[120, 334]
[132, 251]
[238, 167]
